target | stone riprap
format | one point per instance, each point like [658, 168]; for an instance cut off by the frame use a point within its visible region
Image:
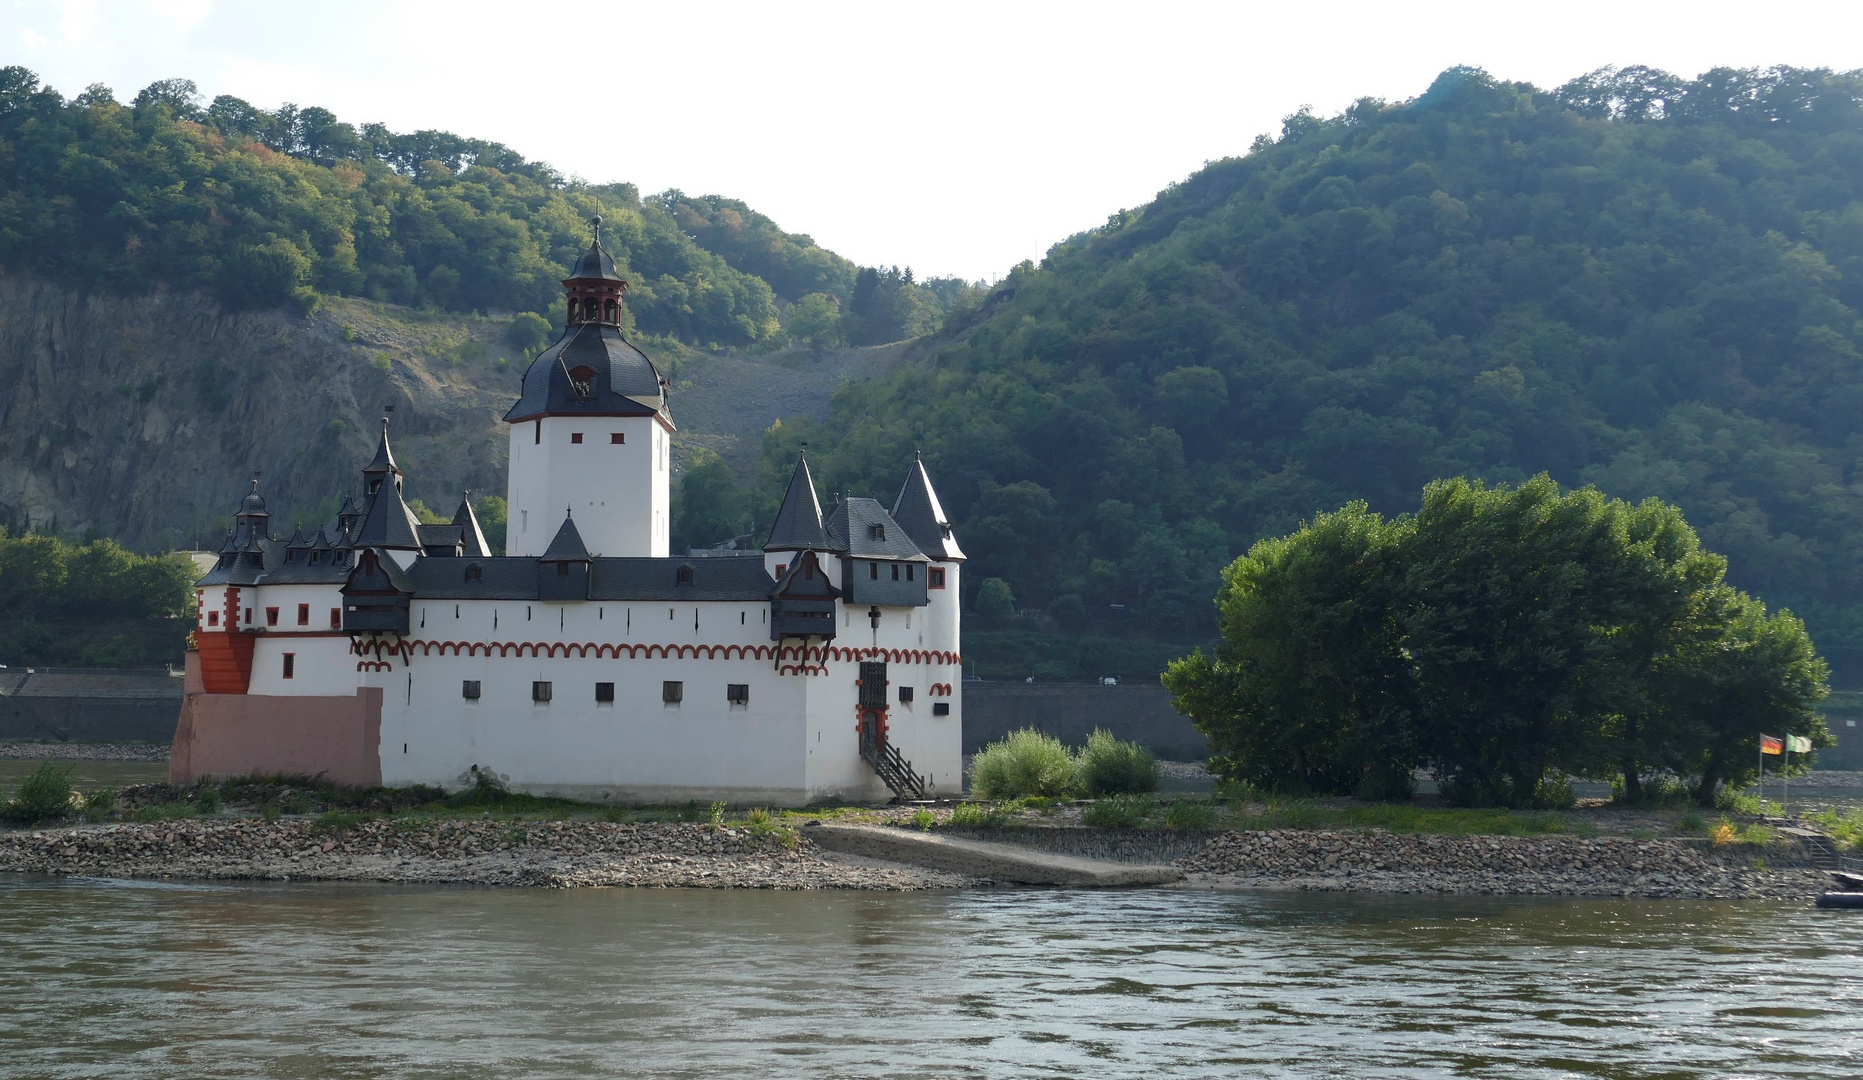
[54, 751]
[1496, 865]
[489, 852]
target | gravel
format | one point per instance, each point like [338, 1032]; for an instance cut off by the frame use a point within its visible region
[1498, 865]
[56, 751]
[551, 854]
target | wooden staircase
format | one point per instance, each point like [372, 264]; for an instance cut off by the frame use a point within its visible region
[893, 768]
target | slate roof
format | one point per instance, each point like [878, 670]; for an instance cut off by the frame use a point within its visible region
[922, 517]
[624, 383]
[383, 463]
[389, 523]
[446, 536]
[246, 564]
[515, 578]
[798, 524]
[851, 531]
[567, 545]
[297, 569]
[596, 263]
[472, 537]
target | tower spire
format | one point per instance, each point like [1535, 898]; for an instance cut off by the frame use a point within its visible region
[798, 524]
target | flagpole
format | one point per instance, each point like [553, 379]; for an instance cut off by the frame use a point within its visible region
[1785, 779]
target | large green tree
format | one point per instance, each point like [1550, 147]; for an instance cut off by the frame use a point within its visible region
[1502, 636]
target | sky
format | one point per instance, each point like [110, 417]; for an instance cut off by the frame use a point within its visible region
[956, 138]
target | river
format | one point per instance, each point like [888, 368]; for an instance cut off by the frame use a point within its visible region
[133, 979]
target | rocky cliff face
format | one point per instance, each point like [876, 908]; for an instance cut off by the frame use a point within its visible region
[144, 418]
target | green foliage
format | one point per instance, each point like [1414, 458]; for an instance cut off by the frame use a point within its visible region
[974, 815]
[1845, 825]
[1111, 766]
[44, 794]
[996, 604]
[1191, 815]
[207, 799]
[1490, 280]
[528, 333]
[166, 811]
[1503, 637]
[1023, 763]
[337, 822]
[923, 819]
[1118, 812]
[100, 800]
[92, 604]
[709, 507]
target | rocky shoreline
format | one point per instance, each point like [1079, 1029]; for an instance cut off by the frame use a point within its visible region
[1498, 865]
[561, 854]
[57, 751]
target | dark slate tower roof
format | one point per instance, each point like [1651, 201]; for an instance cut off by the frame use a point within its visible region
[918, 512]
[798, 524]
[472, 537]
[389, 523]
[861, 528]
[567, 546]
[380, 467]
[592, 370]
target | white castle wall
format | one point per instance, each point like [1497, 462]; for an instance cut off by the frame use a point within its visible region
[620, 492]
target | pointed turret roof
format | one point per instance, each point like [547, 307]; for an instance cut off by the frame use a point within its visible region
[798, 524]
[919, 513]
[568, 545]
[389, 523]
[472, 537]
[381, 467]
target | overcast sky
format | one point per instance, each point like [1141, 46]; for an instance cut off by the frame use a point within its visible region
[954, 137]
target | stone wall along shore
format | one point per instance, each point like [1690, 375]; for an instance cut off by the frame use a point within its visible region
[1498, 865]
[482, 852]
[56, 751]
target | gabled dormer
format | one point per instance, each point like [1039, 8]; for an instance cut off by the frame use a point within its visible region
[563, 568]
[803, 602]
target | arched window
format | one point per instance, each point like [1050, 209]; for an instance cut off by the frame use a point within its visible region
[609, 312]
[582, 380]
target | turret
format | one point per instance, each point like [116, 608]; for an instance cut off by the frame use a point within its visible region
[563, 568]
[471, 536]
[798, 526]
[591, 429]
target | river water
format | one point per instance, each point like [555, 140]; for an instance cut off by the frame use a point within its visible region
[129, 979]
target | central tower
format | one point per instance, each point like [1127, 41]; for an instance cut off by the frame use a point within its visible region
[591, 432]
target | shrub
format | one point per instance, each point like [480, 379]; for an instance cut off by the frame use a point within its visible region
[44, 794]
[208, 801]
[1192, 814]
[1110, 766]
[101, 800]
[970, 815]
[165, 811]
[924, 819]
[1692, 822]
[1118, 812]
[1024, 763]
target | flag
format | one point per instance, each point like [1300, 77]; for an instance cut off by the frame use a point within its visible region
[1798, 744]
[1770, 745]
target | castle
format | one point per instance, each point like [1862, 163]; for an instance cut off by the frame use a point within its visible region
[586, 661]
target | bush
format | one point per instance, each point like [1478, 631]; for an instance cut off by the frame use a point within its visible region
[101, 800]
[1191, 814]
[44, 794]
[1110, 766]
[1118, 812]
[1024, 763]
[208, 800]
[970, 815]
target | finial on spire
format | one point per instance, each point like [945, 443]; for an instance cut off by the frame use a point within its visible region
[596, 222]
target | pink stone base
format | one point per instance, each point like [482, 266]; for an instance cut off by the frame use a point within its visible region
[335, 738]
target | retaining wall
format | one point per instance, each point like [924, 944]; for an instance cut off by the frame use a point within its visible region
[89, 705]
[1070, 712]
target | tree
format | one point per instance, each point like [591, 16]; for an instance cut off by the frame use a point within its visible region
[814, 320]
[1501, 636]
[709, 506]
[996, 604]
[528, 333]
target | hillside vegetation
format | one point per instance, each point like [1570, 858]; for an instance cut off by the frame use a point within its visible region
[1634, 281]
[268, 208]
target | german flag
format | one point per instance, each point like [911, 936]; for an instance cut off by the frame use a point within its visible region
[1770, 745]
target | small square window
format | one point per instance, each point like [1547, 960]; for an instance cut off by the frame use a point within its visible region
[213, 618]
[575, 436]
[672, 693]
[540, 692]
[905, 695]
[271, 616]
[291, 665]
[781, 569]
[303, 614]
[336, 618]
[942, 708]
[934, 577]
[604, 693]
[737, 693]
[469, 689]
[616, 438]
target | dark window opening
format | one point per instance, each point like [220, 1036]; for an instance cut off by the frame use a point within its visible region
[672, 693]
[942, 708]
[213, 618]
[934, 577]
[540, 691]
[895, 571]
[604, 693]
[908, 571]
[877, 531]
[271, 616]
[562, 569]
[873, 570]
[475, 572]
[536, 437]
[303, 614]
[291, 665]
[575, 436]
[582, 381]
[737, 693]
[469, 689]
[905, 694]
[872, 684]
[683, 576]
[336, 618]
[617, 437]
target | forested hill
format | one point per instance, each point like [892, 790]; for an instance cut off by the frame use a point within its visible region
[1636, 281]
[268, 208]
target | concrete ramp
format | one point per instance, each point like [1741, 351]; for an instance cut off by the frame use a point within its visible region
[976, 858]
